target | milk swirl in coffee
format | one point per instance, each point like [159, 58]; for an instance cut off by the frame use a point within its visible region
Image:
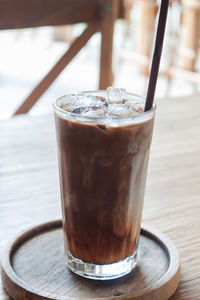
[104, 140]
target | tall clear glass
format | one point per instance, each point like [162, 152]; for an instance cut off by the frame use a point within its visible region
[103, 168]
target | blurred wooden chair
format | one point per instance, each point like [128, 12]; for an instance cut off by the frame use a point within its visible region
[190, 34]
[146, 28]
[183, 62]
[145, 33]
[100, 15]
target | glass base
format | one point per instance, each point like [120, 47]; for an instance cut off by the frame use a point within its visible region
[101, 272]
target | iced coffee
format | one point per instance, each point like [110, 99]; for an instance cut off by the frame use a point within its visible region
[103, 149]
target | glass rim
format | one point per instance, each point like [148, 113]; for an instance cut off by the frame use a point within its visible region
[81, 118]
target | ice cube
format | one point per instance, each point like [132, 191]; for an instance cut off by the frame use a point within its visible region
[94, 112]
[78, 103]
[135, 106]
[79, 110]
[99, 104]
[69, 103]
[85, 100]
[119, 110]
[65, 102]
[101, 101]
[115, 95]
[100, 112]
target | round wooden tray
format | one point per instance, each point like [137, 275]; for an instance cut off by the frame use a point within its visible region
[33, 267]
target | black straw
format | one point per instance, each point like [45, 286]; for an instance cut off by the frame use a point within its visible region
[157, 54]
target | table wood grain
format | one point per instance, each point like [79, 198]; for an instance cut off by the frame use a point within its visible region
[29, 187]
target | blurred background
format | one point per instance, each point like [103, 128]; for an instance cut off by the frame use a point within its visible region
[29, 49]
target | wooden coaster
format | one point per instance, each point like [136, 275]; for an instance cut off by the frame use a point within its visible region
[33, 267]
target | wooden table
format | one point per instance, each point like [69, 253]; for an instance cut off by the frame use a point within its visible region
[29, 188]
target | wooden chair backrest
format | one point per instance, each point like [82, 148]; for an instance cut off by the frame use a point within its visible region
[36, 13]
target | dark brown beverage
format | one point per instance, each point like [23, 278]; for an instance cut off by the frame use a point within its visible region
[103, 162]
